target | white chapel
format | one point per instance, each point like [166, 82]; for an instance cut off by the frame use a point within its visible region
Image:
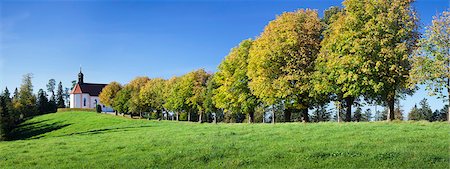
[85, 95]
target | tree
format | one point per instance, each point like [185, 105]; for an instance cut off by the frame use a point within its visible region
[42, 102]
[367, 115]
[2, 123]
[357, 115]
[195, 84]
[233, 93]
[398, 112]
[26, 98]
[52, 105]
[414, 114]
[425, 110]
[209, 103]
[175, 96]
[329, 15]
[391, 36]
[431, 63]
[440, 115]
[366, 51]
[67, 96]
[108, 93]
[321, 114]
[60, 96]
[121, 100]
[152, 94]
[281, 60]
[135, 105]
[51, 88]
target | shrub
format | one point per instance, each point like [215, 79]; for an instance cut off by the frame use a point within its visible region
[99, 108]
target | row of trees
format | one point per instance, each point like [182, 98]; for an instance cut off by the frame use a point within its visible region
[368, 51]
[24, 104]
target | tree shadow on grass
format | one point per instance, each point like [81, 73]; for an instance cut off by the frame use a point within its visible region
[31, 130]
[105, 130]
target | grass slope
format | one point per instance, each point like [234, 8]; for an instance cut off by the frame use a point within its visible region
[90, 140]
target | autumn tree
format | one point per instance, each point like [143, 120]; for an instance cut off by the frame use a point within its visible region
[195, 84]
[109, 92]
[431, 64]
[121, 101]
[175, 96]
[233, 93]
[281, 60]
[152, 95]
[366, 50]
[135, 104]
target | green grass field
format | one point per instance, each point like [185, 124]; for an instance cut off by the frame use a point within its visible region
[91, 140]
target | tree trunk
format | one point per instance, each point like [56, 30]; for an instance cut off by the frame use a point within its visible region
[215, 117]
[189, 116]
[305, 116]
[200, 117]
[390, 114]
[273, 114]
[177, 116]
[115, 112]
[287, 115]
[348, 114]
[339, 106]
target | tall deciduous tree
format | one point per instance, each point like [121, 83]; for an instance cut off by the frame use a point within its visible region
[152, 95]
[431, 64]
[121, 100]
[135, 104]
[109, 92]
[281, 60]
[366, 51]
[233, 93]
[174, 96]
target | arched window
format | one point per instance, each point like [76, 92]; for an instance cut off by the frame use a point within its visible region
[84, 102]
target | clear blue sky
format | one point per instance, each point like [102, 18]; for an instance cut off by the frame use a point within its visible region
[117, 41]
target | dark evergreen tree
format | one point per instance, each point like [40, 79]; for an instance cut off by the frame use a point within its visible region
[414, 114]
[440, 115]
[321, 114]
[425, 110]
[357, 116]
[60, 96]
[42, 102]
[367, 115]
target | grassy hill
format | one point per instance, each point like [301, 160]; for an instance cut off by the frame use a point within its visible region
[90, 140]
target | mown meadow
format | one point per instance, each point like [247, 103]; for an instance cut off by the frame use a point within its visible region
[92, 140]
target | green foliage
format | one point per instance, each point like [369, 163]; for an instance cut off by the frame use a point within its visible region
[87, 138]
[422, 113]
[233, 94]
[42, 102]
[26, 98]
[135, 104]
[152, 94]
[121, 100]
[109, 92]
[281, 59]
[60, 103]
[432, 58]
[98, 108]
[440, 115]
[366, 50]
